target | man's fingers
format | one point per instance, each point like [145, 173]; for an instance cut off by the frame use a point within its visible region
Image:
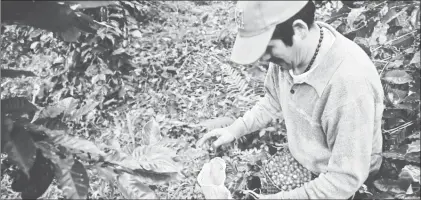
[206, 137]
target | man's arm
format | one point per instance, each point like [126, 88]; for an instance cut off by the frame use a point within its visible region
[351, 127]
[265, 110]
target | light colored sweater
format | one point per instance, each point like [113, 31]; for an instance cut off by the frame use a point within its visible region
[333, 119]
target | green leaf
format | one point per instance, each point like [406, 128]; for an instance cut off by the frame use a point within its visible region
[151, 132]
[123, 160]
[34, 45]
[80, 144]
[17, 104]
[154, 178]
[89, 4]
[398, 153]
[413, 157]
[414, 147]
[118, 51]
[66, 106]
[136, 34]
[388, 185]
[132, 188]
[175, 144]
[413, 171]
[73, 180]
[106, 172]
[416, 59]
[398, 77]
[21, 149]
[88, 107]
[396, 96]
[219, 122]
[157, 159]
[9, 73]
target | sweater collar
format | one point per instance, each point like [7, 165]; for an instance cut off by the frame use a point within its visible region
[320, 77]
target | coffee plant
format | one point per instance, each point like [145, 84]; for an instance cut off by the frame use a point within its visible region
[113, 109]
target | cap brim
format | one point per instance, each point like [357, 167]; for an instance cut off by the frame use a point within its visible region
[248, 50]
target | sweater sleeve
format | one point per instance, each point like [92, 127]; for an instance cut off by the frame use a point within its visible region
[350, 127]
[265, 110]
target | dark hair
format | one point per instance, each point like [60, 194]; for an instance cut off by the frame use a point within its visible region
[284, 30]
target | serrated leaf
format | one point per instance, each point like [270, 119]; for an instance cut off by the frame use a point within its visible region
[132, 188]
[74, 180]
[413, 171]
[398, 77]
[157, 159]
[174, 144]
[219, 122]
[17, 104]
[21, 149]
[151, 132]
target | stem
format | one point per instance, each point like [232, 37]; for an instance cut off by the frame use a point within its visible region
[384, 67]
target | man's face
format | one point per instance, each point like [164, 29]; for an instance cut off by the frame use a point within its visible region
[279, 53]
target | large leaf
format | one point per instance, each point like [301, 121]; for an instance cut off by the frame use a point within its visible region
[88, 107]
[17, 104]
[157, 159]
[151, 132]
[106, 172]
[42, 175]
[66, 106]
[153, 178]
[388, 185]
[398, 77]
[21, 149]
[416, 59]
[73, 180]
[174, 144]
[89, 4]
[414, 147]
[122, 160]
[132, 188]
[9, 73]
[60, 137]
[413, 171]
[63, 139]
[219, 122]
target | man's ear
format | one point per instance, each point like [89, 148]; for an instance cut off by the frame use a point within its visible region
[301, 29]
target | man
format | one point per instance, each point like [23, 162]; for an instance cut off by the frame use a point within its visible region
[325, 86]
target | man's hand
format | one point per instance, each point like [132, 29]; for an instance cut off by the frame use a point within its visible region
[224, 137]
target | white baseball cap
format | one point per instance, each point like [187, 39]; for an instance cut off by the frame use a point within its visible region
[256, 21]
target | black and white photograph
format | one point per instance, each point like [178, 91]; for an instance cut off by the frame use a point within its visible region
[306, 99]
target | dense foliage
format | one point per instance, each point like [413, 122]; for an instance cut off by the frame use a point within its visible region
[116, 114]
